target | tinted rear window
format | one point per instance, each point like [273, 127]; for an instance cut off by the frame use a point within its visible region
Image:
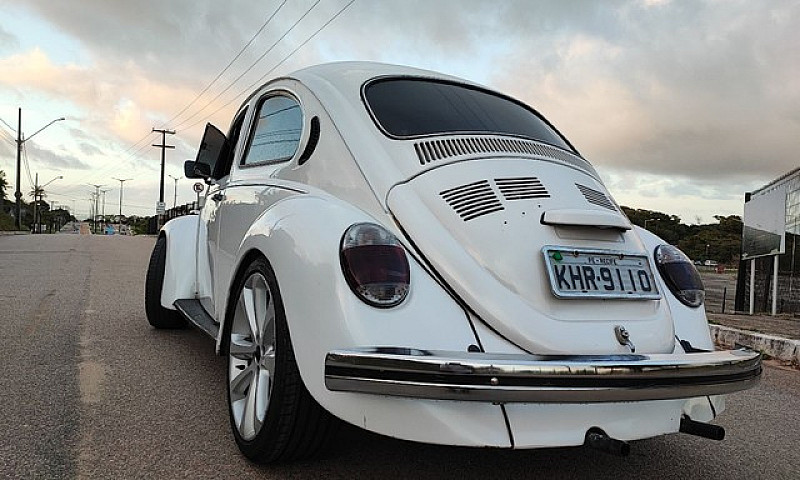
[414, 107]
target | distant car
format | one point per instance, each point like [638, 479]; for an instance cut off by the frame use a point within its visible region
[430, 260]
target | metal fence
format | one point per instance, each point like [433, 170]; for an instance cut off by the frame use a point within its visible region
[788, 298]
[178, 211]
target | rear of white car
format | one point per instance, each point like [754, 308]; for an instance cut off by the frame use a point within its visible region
[583, 326]
[432, 261]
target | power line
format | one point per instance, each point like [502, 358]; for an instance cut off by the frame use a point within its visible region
[115, 166]
[252, 65]
[57, 194]
[7, 136]
[137, 143]
[9, 126]
[27, 165]
[260, 80]
[222, 72]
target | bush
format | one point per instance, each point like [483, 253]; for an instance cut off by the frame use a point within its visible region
[6, 222]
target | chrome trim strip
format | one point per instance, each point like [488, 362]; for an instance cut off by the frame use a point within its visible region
[540, 379]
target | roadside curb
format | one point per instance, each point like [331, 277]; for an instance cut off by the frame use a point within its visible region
[777, 347]
[13, 232]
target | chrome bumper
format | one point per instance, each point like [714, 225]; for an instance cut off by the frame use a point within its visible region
[504, 378]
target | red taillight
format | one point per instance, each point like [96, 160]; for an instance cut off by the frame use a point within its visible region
[375, 265]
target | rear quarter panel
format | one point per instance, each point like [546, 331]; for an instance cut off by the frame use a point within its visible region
[300, 237]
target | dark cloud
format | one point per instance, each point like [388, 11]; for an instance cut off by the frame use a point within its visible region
[79, 134]
[89, 149]
[53, 160]
[707, 91]
[179, 40]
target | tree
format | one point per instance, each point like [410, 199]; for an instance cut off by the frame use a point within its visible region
[720, 242]
[37, 192]
[3, 185]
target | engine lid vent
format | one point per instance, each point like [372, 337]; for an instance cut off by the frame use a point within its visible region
[472, 200]
[521, 188]
[596, 197]
[432, 150]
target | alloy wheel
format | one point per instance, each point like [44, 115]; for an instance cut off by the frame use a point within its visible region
[251, 364]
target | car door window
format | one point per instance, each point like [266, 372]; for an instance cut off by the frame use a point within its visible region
[277, 131]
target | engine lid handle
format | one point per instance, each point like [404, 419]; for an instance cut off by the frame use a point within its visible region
[585, 218]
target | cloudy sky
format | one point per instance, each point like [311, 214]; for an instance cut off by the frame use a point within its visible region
[682, 105]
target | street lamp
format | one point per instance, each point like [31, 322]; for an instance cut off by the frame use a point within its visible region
[20, 142]
[121, 182]
[175, 198]
[60, 177]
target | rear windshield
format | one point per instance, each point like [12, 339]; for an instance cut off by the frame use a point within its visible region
[406, 107]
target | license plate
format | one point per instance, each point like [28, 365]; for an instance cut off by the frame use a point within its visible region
[582, 273]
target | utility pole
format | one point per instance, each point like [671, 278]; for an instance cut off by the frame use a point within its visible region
[53, 218]
[175, 198]
[20, 142]
[36, 205]
[121, 182]
[163, 146]
[96, 197]
[18, 193]
[104, 209]
[91, 208]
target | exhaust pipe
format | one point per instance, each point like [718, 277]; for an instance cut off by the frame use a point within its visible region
[599, 440]
[705, 430]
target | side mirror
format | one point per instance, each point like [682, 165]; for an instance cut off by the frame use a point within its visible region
[212, 148]
[192, 169]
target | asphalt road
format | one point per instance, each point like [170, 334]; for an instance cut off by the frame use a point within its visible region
[89, 390]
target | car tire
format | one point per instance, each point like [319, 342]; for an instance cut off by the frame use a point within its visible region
[273, 416]
[158, 316]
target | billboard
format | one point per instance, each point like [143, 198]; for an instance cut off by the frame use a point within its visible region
[765, 224]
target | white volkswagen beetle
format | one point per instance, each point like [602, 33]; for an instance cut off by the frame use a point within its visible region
[430, 260]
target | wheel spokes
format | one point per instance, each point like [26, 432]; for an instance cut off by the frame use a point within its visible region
[262, 396]
[248, 298]
[268, 332]
[252, 358]
[242, 347]
[242, 381]
[268, 360]
[250, 424]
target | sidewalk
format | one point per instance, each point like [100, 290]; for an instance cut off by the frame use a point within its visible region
[778, 337]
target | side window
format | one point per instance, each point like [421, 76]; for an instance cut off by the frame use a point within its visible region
[277, 131]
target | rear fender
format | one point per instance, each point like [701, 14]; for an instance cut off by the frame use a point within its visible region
[181, 270]
[690, 323]
[300, 237]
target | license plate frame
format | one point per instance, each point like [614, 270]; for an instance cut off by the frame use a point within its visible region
[622, 269]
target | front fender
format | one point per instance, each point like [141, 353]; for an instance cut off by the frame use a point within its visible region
[300, 236]
[180, 271]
